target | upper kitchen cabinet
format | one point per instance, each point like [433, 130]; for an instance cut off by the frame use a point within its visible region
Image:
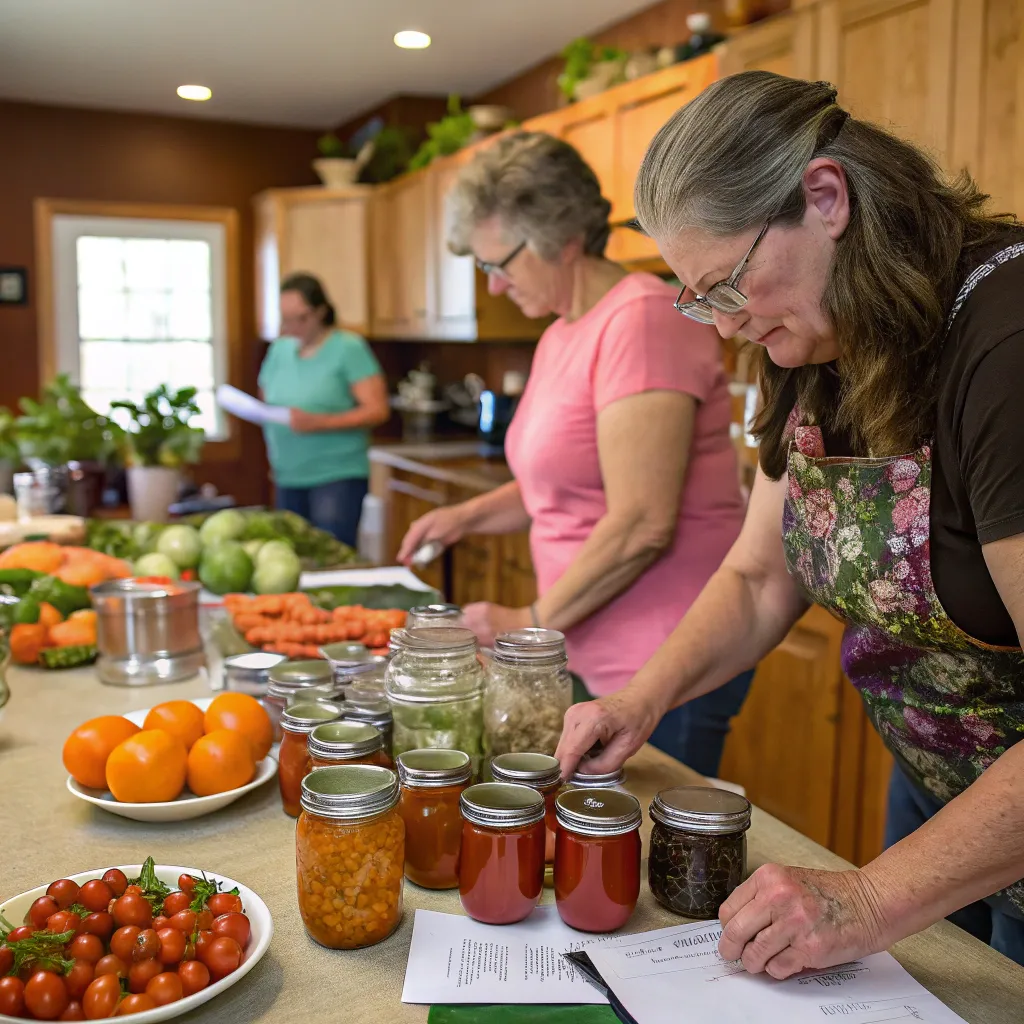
[322, 231]
[784, 45]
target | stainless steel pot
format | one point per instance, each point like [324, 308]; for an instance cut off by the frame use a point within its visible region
[147, 632]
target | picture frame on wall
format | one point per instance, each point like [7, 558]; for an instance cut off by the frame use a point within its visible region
[13, 286]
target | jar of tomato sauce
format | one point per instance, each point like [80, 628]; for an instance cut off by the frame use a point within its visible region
[293, 763]
[342, 742]
[349, 855]
[597, 858]
[285, 682]
[501, 868]
[540, 772]
[432, 782]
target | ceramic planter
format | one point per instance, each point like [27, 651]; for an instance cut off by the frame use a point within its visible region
[151, 491]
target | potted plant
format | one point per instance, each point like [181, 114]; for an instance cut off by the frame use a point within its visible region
[159, 441]
[590, 69]
[336, 168]
[446, 136]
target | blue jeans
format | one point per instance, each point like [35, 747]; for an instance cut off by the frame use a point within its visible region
[334, 507]
[695, 733]
[994, 920]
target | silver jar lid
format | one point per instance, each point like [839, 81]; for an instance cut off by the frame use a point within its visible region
[250, 672]
[598, 812]
[293, 675]
[526, 769]
[425, 769]
[530, 646]
[604, 780]
[501, 805]
[341, 740]
[701, 809]
[349, 791]
[431, 614]
[434, 640]
[376, 716]
[305, 716]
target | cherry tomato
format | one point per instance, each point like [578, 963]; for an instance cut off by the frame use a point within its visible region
[132, 909]
[176, 901]
[147, 946]
[224, 903]
[203, 939]
[101, 997]
[86, 947]
[23, 931]
[132, 890]
[12, 996]
[204, 920]
[139, 974]
[46, 998]
[64, 891]
[41, 911]
[160, 922]
[222, 956]
[122, 942]
[117, 880]
[135, 1004]
[195, 976]
[73, 1011]
[77, 980]
[235, 926]
[6, 960]
[63, 921]
[100, 923]
[172, 945]
[111, 964]
[186, 883]
[165, 988]
[95, 895]
[184, 921]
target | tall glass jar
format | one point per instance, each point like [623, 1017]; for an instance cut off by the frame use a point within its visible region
[501, 871]
[432, 782]
[366, 700]
[698, 851]
[435, 688]
[349, 855]
[286, 681]
[434, 615]
[293, 762]
[540, 772]
[342, 742]
[597, 858]
[606, 780]
[527, 693]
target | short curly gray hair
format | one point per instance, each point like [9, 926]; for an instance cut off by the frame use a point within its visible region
[541, 190]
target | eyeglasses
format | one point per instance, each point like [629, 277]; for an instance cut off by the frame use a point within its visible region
[724, 297]
[500, 268]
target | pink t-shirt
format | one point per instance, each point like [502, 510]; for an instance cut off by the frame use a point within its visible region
[631, 341]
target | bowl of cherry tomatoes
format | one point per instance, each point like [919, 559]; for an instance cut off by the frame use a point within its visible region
[147, 940]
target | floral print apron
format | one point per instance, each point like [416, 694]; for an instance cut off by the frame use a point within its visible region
[856, 538]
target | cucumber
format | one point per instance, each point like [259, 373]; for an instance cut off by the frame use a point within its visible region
[67, 657]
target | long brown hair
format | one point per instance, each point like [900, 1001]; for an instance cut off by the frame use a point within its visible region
[735, 157]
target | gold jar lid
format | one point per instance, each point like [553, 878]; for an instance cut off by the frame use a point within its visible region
[305, 716]
[349, 792]
[501, 805]
[341, 740]
[598, 812]
[425, 769]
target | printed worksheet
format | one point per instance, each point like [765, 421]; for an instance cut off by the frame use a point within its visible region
[654, 973]
[247, 407]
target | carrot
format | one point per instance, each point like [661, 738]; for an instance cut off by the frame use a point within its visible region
[27, 640]
[73, 632]
[48, 615]
[39, 555]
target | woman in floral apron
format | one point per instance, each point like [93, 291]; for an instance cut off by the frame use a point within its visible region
[888, 307]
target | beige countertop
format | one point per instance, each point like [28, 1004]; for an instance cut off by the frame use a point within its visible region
[454, 462]
[47, 834]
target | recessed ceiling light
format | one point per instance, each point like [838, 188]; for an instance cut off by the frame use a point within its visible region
[194, 92]
[410, 39]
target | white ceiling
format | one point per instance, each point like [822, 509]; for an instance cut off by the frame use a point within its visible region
[308, 63]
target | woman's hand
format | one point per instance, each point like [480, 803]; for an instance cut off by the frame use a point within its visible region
[784, 920]
[446, 525]
[303, 422]
[488, 620]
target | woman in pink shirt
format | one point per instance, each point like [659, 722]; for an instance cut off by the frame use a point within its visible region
[624, 470]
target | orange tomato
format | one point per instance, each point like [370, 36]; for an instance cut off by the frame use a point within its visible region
[244, 714]
[49, 616]
[27, 640]
[220, 761]
[86, 750]
[149, 767]
[40, 555]
[73, 631]
[180, 718]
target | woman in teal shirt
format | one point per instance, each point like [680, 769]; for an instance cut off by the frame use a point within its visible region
[334, 387]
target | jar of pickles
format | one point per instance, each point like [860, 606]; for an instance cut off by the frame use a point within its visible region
[349, 854]
[540, 772]
[284, 683]
[342, 742]
[435, 687]
[581, 779]
[527, 693]
[597, 858]
[434, 615]
[501, 870]
[698, 848]
[432, 782]
[293, 762]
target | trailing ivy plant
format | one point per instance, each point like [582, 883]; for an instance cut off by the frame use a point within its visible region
[158, 432]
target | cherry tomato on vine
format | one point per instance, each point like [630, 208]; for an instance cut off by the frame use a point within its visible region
[140, 974]
[195, 976]
[186, 883]
[122, 942]
[116, 879]
[78, 979]
[101, 997]
[111, 964]
[224, 903]
[6, 960]
[165, 988]
[135, 1004]
[235, 926]
[41, 911]
[86, 947]
[175, 902]
[184, 921]
[222, 956]
[64, 891]
[160, 922]
[132, 909]
[63, 921]
[73, 1011]
[95, 895]
[100, 923]
[12, 996]
[46, 998]
[173, 945]
[21, 932]
[147, 946]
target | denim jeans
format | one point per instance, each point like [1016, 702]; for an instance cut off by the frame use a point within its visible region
[334, 507]
[994, 920]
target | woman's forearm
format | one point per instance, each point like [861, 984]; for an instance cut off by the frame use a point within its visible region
[498, 511]
[360, 416]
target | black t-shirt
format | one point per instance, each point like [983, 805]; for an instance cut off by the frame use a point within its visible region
[978, 452]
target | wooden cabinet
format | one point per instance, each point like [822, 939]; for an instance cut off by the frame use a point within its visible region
[319, 230]
[784, 45]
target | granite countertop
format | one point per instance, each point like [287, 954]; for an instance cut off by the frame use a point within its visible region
[454, 462]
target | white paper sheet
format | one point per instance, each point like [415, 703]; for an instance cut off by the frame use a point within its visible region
[250, 409]
[654, 973]
[454, 959]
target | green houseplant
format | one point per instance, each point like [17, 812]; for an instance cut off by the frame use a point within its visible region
[446, 136]
[590, 69]
[9, 456]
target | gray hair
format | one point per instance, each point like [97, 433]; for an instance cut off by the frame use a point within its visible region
[541, 190]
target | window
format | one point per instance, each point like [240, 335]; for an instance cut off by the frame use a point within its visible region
[139, 303]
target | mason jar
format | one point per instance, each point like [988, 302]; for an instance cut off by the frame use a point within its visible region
[285, 681]
[434, 615]
[540, 772]
[341, 742]
[366, 700]
[293, 763]
[605, 780]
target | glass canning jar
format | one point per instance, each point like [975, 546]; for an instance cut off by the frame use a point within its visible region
[434, 615]
[286, 681]
[606, 780]
[349, 855]
[342, 742]
[435, 688]
[366, 700]
[540, 772]
[293, 763]
[698, 848]
[597, 858]
[432, 782]
[527, 693]
[501, 870]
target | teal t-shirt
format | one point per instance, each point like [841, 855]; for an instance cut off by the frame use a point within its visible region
[320, 383]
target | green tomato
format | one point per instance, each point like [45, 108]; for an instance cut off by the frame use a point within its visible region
[181, 544]
[228, 524]
[156, 564]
